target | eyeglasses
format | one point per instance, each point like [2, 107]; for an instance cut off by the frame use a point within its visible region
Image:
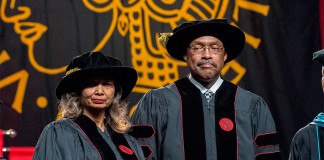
[198, 49]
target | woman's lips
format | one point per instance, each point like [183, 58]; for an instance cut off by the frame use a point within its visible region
[98, 101]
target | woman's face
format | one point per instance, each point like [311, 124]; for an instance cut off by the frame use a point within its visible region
[97, 94]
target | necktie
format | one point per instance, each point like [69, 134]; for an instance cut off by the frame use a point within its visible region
[209, 94]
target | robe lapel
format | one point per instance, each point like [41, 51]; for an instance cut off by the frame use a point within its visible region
[225, 121]
[90, 129]
[193, 121]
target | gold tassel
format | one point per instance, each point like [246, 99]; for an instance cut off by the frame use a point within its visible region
[164, 37]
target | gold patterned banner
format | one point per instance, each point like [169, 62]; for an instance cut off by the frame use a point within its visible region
[39, 38]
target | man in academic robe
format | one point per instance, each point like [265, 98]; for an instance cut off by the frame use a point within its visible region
[203, 116]
[308, 144]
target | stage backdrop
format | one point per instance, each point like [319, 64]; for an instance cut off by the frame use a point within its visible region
[38, 39]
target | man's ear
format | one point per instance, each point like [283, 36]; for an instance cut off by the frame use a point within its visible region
[185, 57]
[225, 56]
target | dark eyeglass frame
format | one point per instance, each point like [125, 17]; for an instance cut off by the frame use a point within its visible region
[214, 49]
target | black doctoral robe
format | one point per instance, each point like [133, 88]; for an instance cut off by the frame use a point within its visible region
[176, 122]
[308, 142]
[81, 139]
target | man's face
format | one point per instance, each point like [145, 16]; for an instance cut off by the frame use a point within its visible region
[323, 78]
[205, 58]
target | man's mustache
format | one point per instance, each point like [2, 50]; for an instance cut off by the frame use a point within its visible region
[202, 62]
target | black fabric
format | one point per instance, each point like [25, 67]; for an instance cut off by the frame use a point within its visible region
[268, 156]
[220, 28]
[147, 151]
[321, 140]
[90, 129]
[319, 56]
[267, 139]
[142, 131]
[122, 145]
[92, 64]
[304, 145]
[224, 108]
[193, 120]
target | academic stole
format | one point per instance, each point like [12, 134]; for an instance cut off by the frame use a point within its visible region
[90, 129]
[193, 121]
[319, 127]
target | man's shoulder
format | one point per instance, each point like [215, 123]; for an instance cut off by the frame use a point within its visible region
[305, 133]
[167, 88]
[249, 100]
[244, 92]
[161, 94]
[307, 128]
[240, 90]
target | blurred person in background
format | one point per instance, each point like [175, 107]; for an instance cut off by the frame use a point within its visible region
[308, 144]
